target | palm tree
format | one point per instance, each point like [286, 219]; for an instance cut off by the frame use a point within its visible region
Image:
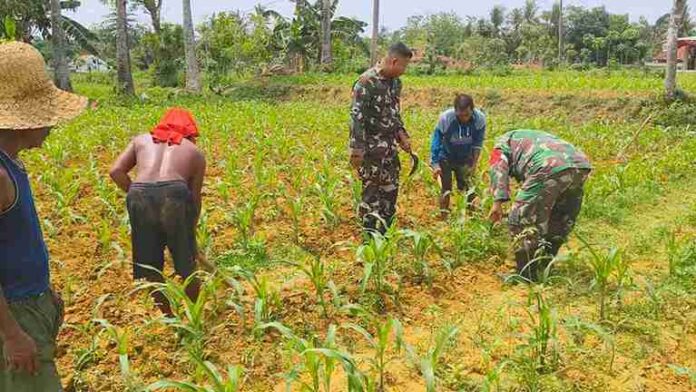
[193, 79]
[672, 36]
[497, 19]
[375, 32]
[123, 68]
[153, 8]
[60, 62]
[326, 59]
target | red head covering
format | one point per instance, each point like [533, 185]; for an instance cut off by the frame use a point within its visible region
[176, 125]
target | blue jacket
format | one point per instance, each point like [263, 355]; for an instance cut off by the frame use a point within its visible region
[456, 142]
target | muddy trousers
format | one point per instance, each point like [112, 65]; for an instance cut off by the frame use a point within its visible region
[380, 189]
[541, 224]
[40, 317]
[462, 173]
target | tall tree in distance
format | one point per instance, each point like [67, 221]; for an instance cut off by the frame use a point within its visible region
[672, 36]
[326, 58]
[123, 67]
[154, 9]
[193, 77]
[375, 32]
[60, 62]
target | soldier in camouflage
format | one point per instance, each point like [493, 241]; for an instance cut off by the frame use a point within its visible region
[552, 173]
[376, 129]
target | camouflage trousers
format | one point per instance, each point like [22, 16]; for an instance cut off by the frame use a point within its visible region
[541, 223]
[380, 189]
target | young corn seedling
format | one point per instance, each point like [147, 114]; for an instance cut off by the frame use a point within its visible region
[267, 301]
[121, 338]
[376, 256]
[318, 361]
[422, 243]
[325, 189]
[231, 382]
[543, 324]
[243, 219]
[296, 213]
[387, 334]
[603, 267]
[314, 270]
[189, 315]
[429, 363]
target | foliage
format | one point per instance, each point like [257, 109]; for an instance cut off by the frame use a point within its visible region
[166, 49]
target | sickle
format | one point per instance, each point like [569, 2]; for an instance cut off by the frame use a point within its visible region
[414, 162]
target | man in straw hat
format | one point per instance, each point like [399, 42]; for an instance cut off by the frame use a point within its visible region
[164, 202]
[31, 313]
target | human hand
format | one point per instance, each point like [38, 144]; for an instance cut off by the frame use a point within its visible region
[356, 158]
[21, 353]
[404, 141]
[437, 172]
[496, 214]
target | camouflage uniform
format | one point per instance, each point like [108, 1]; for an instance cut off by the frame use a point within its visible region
[552, 173]
[375, 122]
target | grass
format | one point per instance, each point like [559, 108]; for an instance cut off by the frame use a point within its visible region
[279, 188]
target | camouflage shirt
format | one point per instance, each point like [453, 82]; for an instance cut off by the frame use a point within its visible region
[530, 156]
[375, 114]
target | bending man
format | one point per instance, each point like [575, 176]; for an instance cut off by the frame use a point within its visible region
[164, 202]
[552, 173]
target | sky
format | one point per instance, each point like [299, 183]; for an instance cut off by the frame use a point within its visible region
[393, 12]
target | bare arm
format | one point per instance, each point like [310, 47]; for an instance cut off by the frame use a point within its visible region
[196, 185]
[7, 190]
[19, 348]
[124, 164]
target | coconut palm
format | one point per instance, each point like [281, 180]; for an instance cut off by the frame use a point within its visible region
[193, 78]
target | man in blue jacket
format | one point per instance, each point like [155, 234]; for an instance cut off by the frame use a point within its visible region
[456, 148]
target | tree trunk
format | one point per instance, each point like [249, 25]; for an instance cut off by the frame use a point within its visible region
[560, 32]
[60, 62]
[155, 16]
[123, 71]
[375, 31]
[672, 36]
[193, 78]
[326, 59]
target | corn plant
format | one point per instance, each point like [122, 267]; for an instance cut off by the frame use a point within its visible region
[296, 213]
[387, 334]
[314, 270]
[267, 300]
[325, 189]
[243, 219]
[189, 315]
[121, 339]
[231, 382]
[542, 321]
[429, 363]
[376, 256]
[603, 267]
[422, 243]
[680, 254]
[318, 361]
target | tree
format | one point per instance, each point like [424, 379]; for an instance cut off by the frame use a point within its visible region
[60, 62]
[497, 19]
[123, 68]
[326, 33]
[193, 80]
[375, 32]
[32, 21]
[153, 8]
[672, 36]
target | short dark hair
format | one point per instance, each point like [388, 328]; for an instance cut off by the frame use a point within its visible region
[463, 101]
[400, 49]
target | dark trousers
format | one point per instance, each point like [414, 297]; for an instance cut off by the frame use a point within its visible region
[462, 173]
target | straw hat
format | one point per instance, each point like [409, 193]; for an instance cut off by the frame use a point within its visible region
[28, 98]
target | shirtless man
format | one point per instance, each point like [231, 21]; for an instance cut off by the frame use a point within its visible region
[164, 202]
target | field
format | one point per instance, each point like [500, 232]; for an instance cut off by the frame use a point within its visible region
[296, 300]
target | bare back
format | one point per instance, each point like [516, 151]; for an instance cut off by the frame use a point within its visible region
[162, 162]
